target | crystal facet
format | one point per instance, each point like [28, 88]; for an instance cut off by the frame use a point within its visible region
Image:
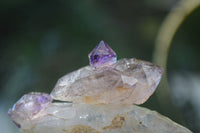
[30, 106]
[127, 81]
[102, 55]
[86, 118]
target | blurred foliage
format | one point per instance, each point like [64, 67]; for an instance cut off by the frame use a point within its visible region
[163, 42]
[43, 40]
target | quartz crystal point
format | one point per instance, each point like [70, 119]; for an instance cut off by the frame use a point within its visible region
[30, 106]
[87, 118]
[102, 55]
[128, 81]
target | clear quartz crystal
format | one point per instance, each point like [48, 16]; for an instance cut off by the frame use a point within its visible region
[128, 81]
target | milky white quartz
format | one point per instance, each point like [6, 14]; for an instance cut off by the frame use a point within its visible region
[87, 118]
[128, 81]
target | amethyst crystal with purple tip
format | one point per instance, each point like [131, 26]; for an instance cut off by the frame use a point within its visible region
[102, 55]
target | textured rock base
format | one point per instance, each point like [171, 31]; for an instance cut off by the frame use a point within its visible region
[85, 118]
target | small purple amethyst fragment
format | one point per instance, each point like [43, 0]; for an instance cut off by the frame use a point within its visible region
[102, 55]
[30, 106]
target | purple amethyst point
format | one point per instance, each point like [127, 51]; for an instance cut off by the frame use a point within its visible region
[102, 55]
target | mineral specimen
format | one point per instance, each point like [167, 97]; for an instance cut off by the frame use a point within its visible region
[87, 118]
[127, 81]
[102, 95]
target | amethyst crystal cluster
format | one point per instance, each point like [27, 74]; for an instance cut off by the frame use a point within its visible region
[102, 95]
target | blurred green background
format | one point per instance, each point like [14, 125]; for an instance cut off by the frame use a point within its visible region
[44, 40]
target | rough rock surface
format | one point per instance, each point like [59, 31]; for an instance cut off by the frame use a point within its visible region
[87, 118]
[128, 81]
